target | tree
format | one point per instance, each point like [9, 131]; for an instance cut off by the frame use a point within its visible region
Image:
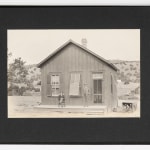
[9, 54]
[17, 72]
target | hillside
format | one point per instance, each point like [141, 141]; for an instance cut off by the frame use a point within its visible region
[128, 71]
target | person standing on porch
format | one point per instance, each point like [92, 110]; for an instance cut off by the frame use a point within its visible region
[61, 99]
[86, 93]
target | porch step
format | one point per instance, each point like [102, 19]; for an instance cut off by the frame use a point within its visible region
[91, 110]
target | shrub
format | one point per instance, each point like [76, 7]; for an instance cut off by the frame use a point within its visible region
[39, 83]
[21, 90]
[37, 89]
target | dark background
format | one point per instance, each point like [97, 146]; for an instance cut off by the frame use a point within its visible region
[80, 131]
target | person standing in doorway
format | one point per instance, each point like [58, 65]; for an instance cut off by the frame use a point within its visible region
[86, 93]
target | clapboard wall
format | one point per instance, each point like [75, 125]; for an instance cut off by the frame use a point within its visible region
[74, 59]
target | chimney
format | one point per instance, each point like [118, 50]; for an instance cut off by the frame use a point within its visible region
[84, 42]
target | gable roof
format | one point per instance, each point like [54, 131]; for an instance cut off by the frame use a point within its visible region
[82, 47]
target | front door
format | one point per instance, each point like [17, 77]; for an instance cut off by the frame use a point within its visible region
[97, 88]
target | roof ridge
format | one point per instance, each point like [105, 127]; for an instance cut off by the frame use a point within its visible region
[85, 48]
[81, 46]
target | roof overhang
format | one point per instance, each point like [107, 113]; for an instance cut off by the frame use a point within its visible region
[82, 47]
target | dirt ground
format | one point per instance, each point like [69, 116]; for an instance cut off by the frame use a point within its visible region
[24, 107]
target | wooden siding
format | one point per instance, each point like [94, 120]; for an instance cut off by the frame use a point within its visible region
[70, 59]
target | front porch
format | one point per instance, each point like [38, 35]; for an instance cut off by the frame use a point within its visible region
[74, 109]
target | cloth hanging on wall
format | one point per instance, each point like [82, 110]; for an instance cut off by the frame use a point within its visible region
[74, 84]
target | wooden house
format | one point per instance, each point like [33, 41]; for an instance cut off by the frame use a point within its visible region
[70, 67]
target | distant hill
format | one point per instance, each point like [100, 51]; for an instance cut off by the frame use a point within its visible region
[128, 71]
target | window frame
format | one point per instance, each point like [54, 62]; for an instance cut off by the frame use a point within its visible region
[50, 75]
[102, 83]
[55, 85]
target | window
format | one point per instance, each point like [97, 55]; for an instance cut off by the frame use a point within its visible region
[75, 88]
[53, 85]
[97, 87]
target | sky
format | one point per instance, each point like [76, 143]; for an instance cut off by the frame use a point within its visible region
[35, 45]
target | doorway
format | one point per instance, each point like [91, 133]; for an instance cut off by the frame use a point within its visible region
[97, 88]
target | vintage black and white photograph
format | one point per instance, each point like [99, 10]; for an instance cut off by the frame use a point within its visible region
[73, 73]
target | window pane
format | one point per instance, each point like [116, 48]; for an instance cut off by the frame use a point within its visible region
[97, 98]
[55, 79]
[99, 86]
[55, 91]
[55, 86]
